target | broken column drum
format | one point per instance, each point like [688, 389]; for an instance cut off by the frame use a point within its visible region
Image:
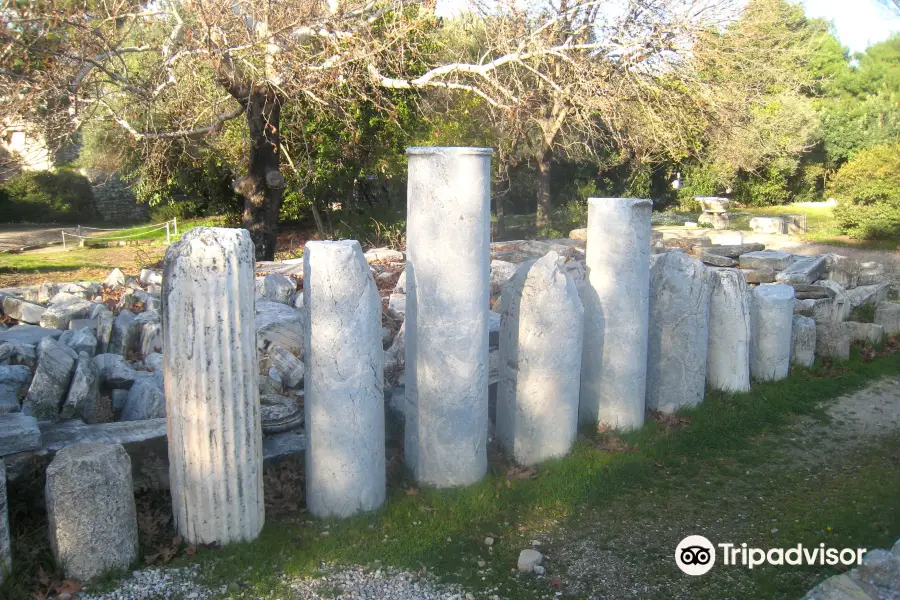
[541, 333]
[210, 370]
[771, 322]
[448, 287]
[678, 334]
[616, 304]
[728, 358]
[343, 383]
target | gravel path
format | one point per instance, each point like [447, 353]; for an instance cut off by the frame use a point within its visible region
[353, 582]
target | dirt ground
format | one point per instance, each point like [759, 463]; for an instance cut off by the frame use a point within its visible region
[621, 560]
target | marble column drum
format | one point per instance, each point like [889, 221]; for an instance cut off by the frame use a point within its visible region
[343, 383]
[210, 373]
[448, 287]
[616, 313]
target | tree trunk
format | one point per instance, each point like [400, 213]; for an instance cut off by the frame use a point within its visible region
[543, 191]
[263, 187]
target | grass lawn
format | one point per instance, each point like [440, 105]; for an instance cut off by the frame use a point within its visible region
[721, 471]
[154, 232]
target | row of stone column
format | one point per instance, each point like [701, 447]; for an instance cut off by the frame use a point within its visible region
[562, 361]
[656, 330]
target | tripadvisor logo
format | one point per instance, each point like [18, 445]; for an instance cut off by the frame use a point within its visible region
[696, 555]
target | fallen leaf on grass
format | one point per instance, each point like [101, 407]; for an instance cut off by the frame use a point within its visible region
[521, 473]
[68, 589]
[668, 420]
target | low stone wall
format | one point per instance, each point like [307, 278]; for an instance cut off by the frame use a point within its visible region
[113, 197]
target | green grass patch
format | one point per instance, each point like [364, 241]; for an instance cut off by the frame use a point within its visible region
[156, 231]
[720, 472]
[443, 529]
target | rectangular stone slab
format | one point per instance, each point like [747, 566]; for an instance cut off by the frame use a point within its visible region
[28, 334]
[732, 250]
[18, 433]
[803, 270]
[766, 260]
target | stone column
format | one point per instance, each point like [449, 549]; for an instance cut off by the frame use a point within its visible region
[541, 333]
[448, 287]
[771, 321]
[728, 359]
[616, 304]
[90, 510]
[5, 547]
[678, 334]
[803, 341]
[210, 369]
[343, 382]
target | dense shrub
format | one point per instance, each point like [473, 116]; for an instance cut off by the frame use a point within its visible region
[47, 196]
[867, 189]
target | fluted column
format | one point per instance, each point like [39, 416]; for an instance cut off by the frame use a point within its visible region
[447, 284]
[343, 384]
[210, 369]
[616, 305]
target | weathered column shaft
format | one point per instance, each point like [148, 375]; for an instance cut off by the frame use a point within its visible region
[214, 429]
[343, 382]
[678, 334]
[772, 317]
[616, 304]
[447, 283]
[540, 362]
[728, 358]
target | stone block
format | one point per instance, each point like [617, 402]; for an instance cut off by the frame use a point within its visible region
[616, 313]
[805, 269]
[22, 310]
[833, 340]
[58, 315]
[18, 433]
[56, 365]
[90, 510]
[343, 385]
[14, 382]
[887, 314]
[842, 270]
[728, 357]
[730, 250]
[123, 339]
[145, 401]
[766, 260]
[289, 368]
[713, 204]
[541, 336]
[275, 288]
[803, 341]
[28, 334]
[768, 225]
[772, 314]
[869, 334]
[678, 332]
[715, 220]
[83, 398]
[279, 324]
[5, 538]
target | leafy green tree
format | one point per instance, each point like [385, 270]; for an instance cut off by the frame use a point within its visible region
[867, 189]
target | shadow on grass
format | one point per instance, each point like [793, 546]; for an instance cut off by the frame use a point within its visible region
[443, 530]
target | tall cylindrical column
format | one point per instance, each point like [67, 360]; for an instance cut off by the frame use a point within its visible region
[771, 321]
[728, 361]
[616, 304]
[210, 371]
[540, 362]
[447, 287]
[343, 384]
